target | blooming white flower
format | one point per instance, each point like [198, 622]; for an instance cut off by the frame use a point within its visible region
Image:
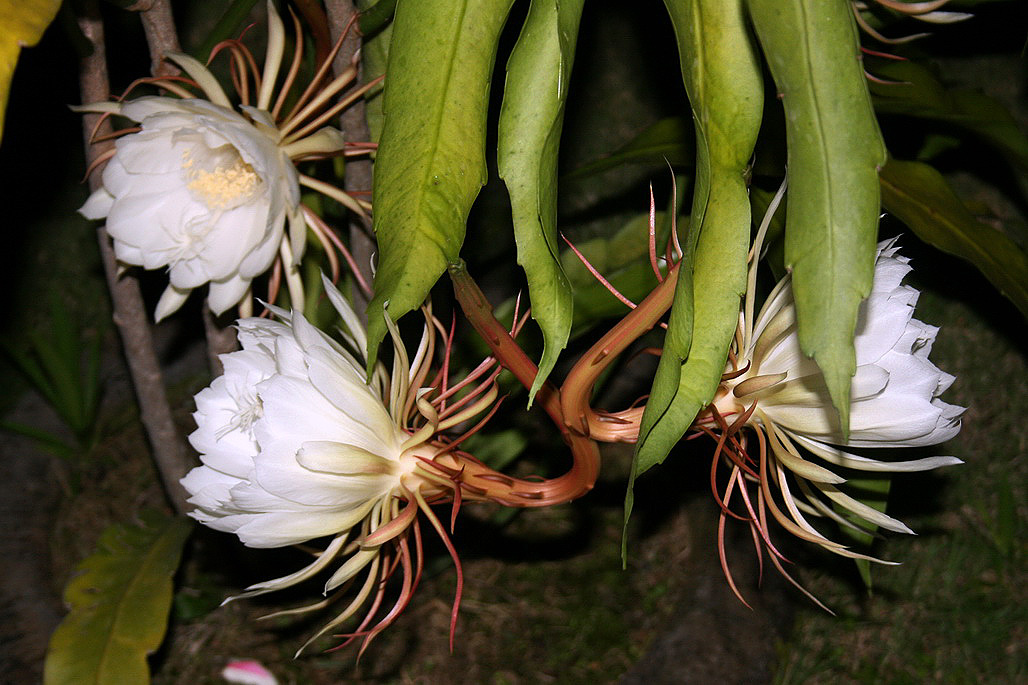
[895, 390]
[205, 188]
[295, 443]
[200, 190]
[774, 389]
[298, 443]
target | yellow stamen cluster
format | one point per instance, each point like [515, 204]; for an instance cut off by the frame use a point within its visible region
[224, 187]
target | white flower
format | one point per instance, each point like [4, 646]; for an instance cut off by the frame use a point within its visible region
[895, 390]
[297, 443]
[200, 190]
[777, 392]
[206, 187]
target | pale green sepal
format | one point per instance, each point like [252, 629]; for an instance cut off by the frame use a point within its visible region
[272, 57]
[203, 77]
[328, 456]
[325, 141]
[862, 510]
[351, 568]
[323, 560]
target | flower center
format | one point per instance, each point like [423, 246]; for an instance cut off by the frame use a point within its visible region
[219, 177]
[249, 408]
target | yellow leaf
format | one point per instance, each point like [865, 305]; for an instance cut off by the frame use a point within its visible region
[22, 23]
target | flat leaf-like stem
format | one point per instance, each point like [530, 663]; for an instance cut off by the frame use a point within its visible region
[723, 80]
[919, 196]
[834, 152]
[431, 156]
[530, 125]
[119, 603]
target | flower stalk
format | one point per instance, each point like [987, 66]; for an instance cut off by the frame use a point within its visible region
[585, 454]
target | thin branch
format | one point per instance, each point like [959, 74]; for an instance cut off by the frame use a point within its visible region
[354, 124]
[161, 37]
[221, 338]
[169, 450]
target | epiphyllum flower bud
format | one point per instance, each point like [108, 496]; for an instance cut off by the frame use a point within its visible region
[776, 390]
[298, 443]
[205, 189]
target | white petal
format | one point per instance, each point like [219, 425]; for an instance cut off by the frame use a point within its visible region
[170, 301]
[281, 529]
[225, 294]
[98, 204]
[209, 489]
[308, 488]
[853, 461]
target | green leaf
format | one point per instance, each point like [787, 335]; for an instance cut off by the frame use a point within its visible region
[919, 94]
[375, 17]
[374, 57]
[48, 441]
[723, 80]
[834, 152]
[920, 197]
[670, 141]
[431, 157]
[21, 25]
[119, 602]
[531, 120]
